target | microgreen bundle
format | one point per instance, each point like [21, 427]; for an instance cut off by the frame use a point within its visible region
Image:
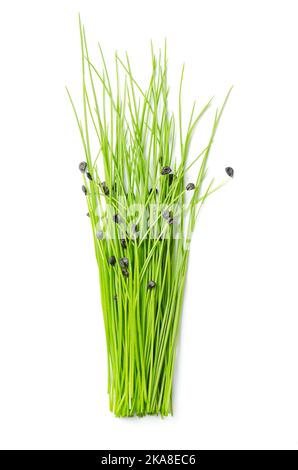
[135, 191]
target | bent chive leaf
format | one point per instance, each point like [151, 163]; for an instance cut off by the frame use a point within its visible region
[151, 285]
[84, 189]
[166, 170]
[230, 171]
[123, 262]
[135, 228]
[82, 167]
[190, 187]
[112, 260]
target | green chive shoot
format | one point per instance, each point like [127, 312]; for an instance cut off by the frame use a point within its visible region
[135, 187]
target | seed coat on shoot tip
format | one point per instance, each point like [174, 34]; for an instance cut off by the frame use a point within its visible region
[105, 188]
[166, 170]
[123, 262]
[229, 171]
[112, 260]
[84, 189]
[151, 189]
[190, 187]
[116, 218]
[99, 235]
[151, 284]
[123, 243]
[83, 167]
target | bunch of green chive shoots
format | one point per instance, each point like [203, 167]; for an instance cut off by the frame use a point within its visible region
[128, 138]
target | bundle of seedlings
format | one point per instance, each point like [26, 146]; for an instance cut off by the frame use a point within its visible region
[143, 210]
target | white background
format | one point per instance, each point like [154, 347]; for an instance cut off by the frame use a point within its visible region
[236, 381]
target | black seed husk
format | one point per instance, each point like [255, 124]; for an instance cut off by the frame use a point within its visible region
[170, 220]
[166, 170]
[99, 235]
[151, 284]
[105, 188]
[171, 177]
[112, 260]
[88, 215]
[190, 187]
[123, 243]
[229, 171]
[89, 176]
[116, 218]
[125, 272]
[150, 191]
[84, 189]
[167, 214]
[123, 262]
[82, 167]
